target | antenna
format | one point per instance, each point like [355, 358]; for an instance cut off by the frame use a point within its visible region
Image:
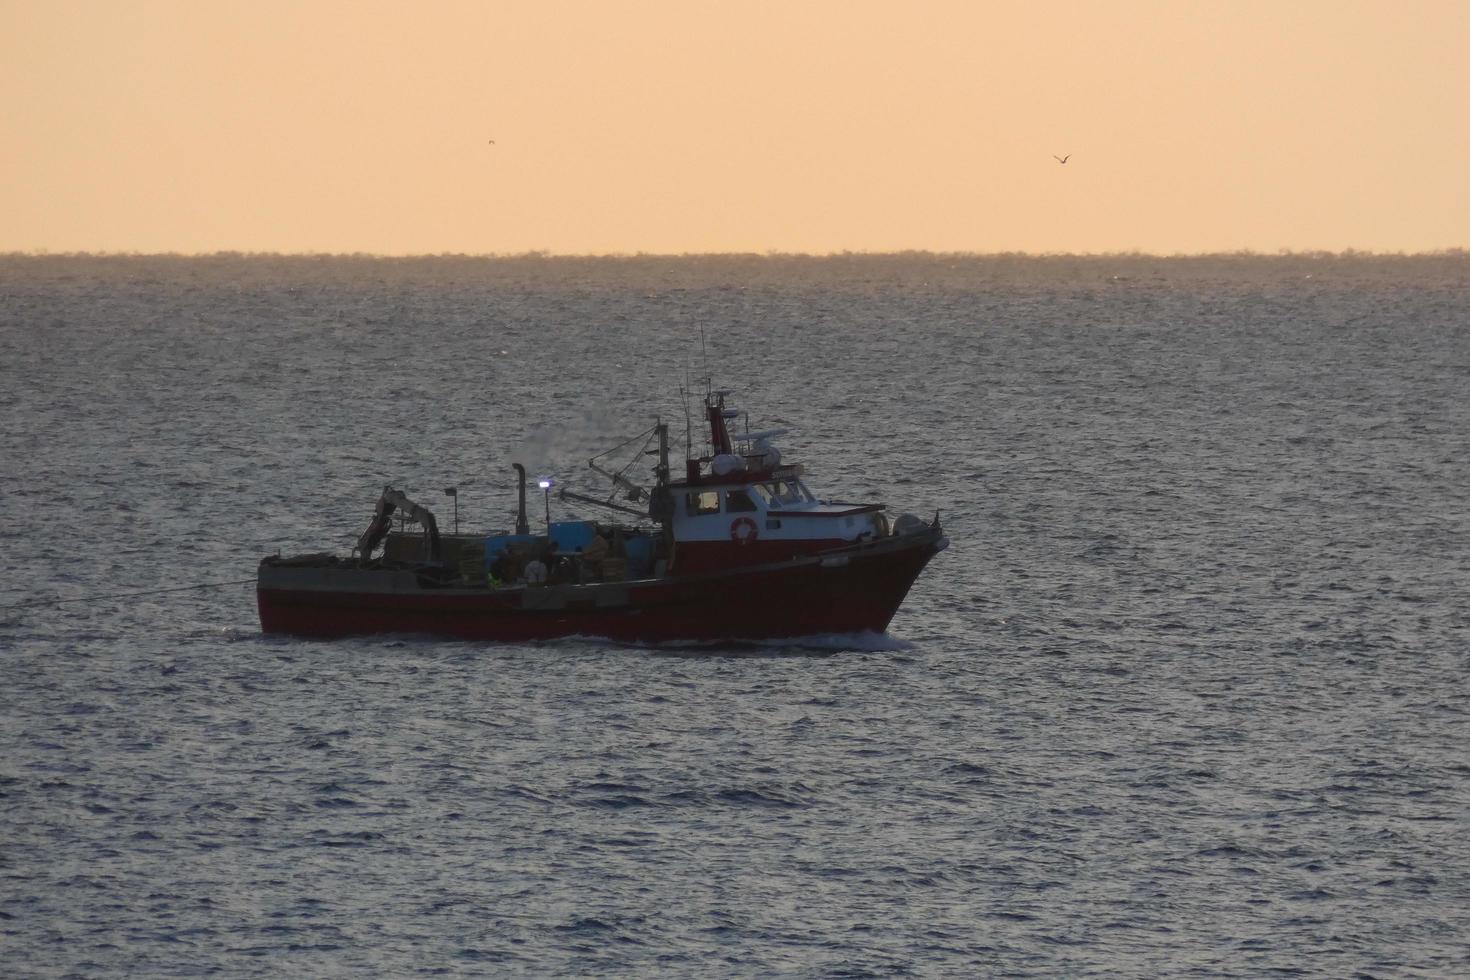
[688, 426]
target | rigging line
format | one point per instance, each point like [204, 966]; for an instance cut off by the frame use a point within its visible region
[644, 434]
[125, 595]
[639, 454]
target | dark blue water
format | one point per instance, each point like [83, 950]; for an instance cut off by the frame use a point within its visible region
[1187, 695]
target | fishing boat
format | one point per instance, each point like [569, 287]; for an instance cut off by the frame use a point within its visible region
[734, 548]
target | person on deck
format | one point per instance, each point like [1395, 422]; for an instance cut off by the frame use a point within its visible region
[535, 572]
[592, 556]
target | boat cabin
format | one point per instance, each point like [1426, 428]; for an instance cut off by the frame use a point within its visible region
[740, 506]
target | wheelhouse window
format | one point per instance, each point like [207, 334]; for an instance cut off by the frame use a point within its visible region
[738, 501]
[698, 504]
[779, 492]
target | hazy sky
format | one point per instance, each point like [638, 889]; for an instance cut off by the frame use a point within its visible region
[734, 126]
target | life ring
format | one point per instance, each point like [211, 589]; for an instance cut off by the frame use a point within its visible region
[743, 530]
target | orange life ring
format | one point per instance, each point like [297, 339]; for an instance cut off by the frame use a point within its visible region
[750, 534]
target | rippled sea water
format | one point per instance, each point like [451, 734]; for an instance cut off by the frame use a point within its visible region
[1187, 696]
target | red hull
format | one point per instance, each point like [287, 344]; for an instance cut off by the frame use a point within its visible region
[846, 591]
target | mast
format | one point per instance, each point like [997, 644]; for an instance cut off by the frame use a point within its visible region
[661, 471]
[719, 432]
[661, 501]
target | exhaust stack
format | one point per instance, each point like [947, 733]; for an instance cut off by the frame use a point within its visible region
[522, 527]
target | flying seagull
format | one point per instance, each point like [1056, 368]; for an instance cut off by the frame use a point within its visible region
[1061, 159]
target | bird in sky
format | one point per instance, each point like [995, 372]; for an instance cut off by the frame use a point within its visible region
[1061, 159]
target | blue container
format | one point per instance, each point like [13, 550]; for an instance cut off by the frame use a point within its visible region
[572, 536]
[639, 549]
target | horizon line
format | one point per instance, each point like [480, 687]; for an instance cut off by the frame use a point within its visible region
[547, 254]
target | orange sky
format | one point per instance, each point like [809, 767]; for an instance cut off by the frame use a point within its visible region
[718, 126]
